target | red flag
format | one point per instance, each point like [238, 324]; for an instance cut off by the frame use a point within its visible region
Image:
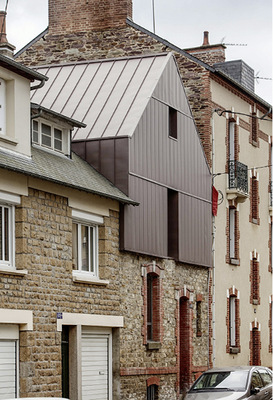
[214, 201]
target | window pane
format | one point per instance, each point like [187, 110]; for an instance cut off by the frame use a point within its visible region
[75, 246]
[35, 130]
[1, 233]
[92, 248]
[6, 233]
[85, 247]
[57, 139]
[46, 135]
[149, 307]
[232, 318]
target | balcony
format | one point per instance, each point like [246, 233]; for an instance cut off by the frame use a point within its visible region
[237, 180]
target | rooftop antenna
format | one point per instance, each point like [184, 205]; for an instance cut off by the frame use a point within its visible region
[153, 9]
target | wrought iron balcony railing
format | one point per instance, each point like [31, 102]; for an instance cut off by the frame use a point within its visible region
[238, 176]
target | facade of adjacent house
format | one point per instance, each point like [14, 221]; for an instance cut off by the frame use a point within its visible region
[59, 270]
[237, 142]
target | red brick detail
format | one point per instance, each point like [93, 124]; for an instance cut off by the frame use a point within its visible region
[153, 380]
[155, 271]
[254, 281]
[85, 16]
[254, 129]
[254, 200]
[133, 371]
[233, 292]
[255, 344]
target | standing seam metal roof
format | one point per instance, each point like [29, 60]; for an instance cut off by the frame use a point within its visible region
[109, 95]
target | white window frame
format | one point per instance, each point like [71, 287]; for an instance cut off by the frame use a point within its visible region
[91, 221]
[8, 201]
[52, 126]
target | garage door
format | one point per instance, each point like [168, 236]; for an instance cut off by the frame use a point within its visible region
[96, 366]
[8, 367]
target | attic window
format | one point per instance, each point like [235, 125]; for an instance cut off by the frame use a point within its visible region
[172, 123]
[48, 135]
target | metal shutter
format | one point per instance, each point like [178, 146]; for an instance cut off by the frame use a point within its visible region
[96, 380]
[8, 368]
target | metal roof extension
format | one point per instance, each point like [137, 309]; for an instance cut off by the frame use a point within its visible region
[108, 95]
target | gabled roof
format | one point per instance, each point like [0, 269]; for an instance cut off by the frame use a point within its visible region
[109, 95]
[71, 172]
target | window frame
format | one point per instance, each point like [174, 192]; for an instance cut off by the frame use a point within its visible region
[173, 122]
[40, 134]
[90, 221]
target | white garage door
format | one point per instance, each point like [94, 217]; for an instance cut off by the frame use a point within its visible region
[8, 368]
[96, 365]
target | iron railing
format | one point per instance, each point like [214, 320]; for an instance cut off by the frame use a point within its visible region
[238, 176]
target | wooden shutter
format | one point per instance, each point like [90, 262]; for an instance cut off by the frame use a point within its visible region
[8, 368]
[96, 366]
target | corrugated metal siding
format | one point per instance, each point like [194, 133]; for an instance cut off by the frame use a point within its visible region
[145, 228]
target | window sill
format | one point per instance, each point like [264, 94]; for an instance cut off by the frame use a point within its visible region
[6, 139]
[86, 278]
[12, 271]
[255, 302]
[234, 261]
[234, 350]
[153, 345]
[255, 221]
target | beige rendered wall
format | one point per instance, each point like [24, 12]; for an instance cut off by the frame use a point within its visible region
[251, 236]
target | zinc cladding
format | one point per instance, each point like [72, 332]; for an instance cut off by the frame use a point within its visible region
[108, 95]
[72, 172]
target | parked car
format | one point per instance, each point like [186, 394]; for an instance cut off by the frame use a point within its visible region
[233, 383]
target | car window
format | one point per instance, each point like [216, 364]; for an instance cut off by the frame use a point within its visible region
[232, 380]
[266, 377]
[256, 381]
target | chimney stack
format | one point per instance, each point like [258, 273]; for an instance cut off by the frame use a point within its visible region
[209, 53]
[6, 48]
[75, 16]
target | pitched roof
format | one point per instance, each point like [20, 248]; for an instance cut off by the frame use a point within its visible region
[20, 69]
[109, 95]
[74, 173]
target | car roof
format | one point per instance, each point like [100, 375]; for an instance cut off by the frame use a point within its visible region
[234, 368]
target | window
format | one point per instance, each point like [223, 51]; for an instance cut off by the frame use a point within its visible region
[231, 140]
[47, 135]
[233, 321]
[254, 199]
[172, 123]
[85, 242]
[173, 224]
[9, 361]
[255, 279]
[6, 235]
[152, 321]
[152, 392]
[233, 249]
[85, 247]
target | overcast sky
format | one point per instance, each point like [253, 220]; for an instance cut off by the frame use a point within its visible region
[234, 22]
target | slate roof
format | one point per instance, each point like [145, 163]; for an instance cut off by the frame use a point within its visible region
[109, 95]
[71, 172]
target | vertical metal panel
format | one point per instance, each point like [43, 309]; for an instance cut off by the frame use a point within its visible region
[145, 228]
[195, 231]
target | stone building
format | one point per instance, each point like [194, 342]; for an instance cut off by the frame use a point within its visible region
[243, 243]
[142, 306]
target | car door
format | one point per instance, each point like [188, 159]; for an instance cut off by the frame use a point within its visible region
[256, 384]
[267, 383]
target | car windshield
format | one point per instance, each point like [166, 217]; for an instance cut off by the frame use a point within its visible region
[222, 380]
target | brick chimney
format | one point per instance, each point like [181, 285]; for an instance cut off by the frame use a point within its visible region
[6, 48]
[74, 16]
[209, 53]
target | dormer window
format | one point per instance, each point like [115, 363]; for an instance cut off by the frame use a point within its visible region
[48, 135]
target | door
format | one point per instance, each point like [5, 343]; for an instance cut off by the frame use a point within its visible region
[8, 369]
[96, 365]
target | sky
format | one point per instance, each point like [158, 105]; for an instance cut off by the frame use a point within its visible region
[245, 26]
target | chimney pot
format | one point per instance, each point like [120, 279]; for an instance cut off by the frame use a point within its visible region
[206, 38]
[3, 36]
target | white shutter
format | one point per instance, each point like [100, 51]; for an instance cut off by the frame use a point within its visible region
[231, 141]
[96, 366]
[2, 107]
[8, 368]
[232, 232]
